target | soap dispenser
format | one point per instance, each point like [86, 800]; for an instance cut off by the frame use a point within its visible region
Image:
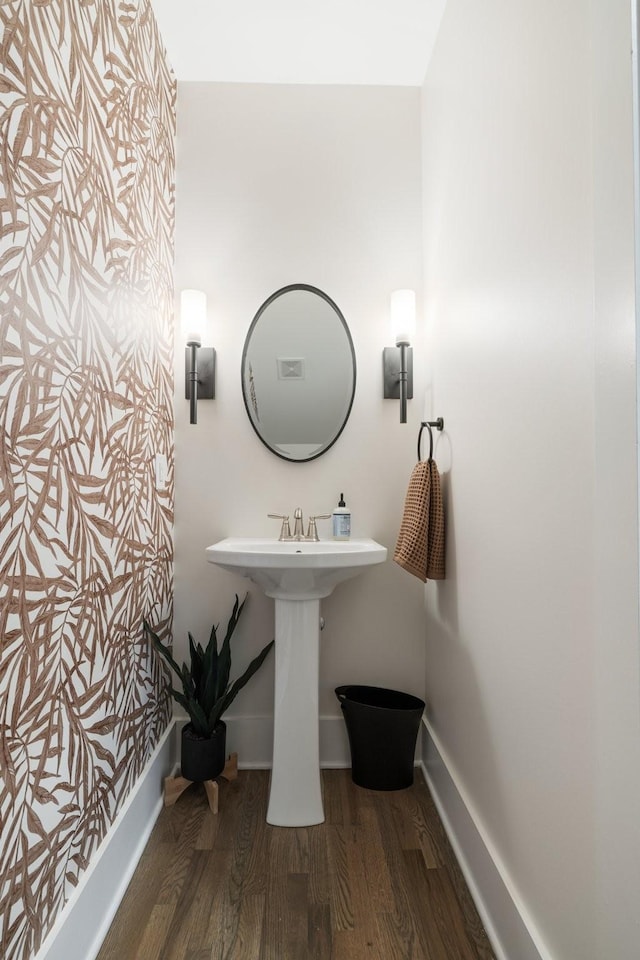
[341, 520]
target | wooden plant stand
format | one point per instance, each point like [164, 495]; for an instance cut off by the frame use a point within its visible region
[175, 786]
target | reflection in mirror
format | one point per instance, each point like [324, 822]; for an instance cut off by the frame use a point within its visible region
[298, 372]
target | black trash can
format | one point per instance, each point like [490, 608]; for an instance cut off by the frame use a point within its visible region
[383, 728]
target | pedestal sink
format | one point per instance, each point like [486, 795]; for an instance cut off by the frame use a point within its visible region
[297, 574]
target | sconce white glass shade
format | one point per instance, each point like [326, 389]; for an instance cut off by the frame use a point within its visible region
[193, 315]
[403, 315]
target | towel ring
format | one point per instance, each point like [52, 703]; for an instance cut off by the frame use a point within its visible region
[439, 425]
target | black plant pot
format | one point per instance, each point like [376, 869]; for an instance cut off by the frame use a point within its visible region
[203, 758]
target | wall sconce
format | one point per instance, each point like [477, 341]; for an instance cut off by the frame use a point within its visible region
[397, 362]
[199, 361]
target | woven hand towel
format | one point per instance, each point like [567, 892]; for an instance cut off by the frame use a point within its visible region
[420, 546]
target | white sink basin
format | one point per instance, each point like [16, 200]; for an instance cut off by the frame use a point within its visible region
[296, 570]
[297, 574]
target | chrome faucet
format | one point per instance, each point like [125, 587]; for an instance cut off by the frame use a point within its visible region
[298, 534]
[298, 528]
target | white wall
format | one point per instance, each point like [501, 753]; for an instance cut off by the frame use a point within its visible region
[318, 185]
[532, 642]
[616, 588]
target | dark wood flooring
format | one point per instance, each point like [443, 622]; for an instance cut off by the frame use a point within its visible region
[376, 881]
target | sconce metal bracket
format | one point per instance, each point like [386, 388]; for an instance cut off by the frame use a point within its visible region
[391, 372]
[206, 373]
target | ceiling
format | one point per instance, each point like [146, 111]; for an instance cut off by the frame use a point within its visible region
[300, 41]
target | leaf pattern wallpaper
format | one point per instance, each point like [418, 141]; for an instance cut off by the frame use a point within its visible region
[87, 167]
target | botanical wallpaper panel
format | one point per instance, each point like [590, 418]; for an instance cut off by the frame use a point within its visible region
[87, 123]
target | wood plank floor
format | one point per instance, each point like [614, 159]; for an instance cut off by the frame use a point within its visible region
[376, 881]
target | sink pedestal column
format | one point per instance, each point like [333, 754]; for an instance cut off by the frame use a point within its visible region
[295, 796]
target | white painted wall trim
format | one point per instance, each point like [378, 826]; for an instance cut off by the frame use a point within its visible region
[252, 739]
[85, 920]
[508, 924]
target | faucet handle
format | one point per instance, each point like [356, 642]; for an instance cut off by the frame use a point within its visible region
[312, 530]
[285, 530]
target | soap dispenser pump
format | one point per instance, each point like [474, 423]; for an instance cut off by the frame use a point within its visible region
[341, 520]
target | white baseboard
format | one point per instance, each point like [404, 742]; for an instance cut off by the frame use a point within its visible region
[252, 739]
[85, 919]
[509, 926]
[335, 751]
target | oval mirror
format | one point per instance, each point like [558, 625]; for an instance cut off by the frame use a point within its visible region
[298, 372]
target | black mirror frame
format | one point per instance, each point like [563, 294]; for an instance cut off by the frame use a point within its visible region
[274, 296]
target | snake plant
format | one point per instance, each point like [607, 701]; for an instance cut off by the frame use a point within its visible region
[206, 690]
